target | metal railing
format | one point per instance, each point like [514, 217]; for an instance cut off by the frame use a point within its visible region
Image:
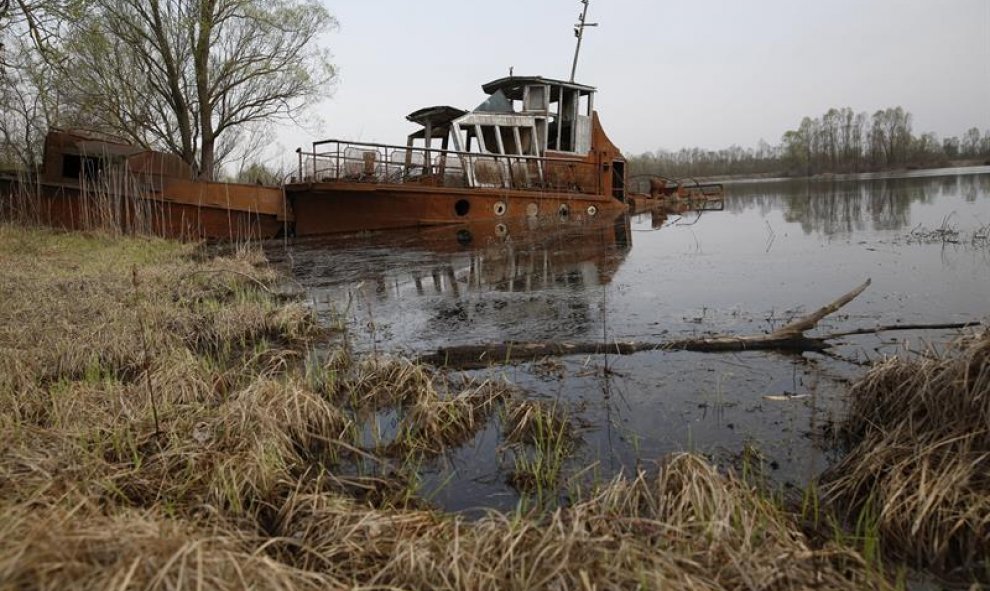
[360, 162]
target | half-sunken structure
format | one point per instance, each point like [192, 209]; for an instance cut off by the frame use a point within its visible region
[534, 148]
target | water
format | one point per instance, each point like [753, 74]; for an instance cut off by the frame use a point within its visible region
[779, 249]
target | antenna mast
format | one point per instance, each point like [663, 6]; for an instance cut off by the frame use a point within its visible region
[579, 33]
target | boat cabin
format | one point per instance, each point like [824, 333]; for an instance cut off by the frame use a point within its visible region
[74, 156]
[531, 133]
[558, 113]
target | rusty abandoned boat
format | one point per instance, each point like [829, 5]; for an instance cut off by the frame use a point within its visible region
[92, 180]
[533, 151]
[535, 148]
[674, 195]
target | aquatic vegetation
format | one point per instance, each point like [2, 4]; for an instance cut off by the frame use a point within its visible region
[432, 424]
[539, 437]
[948, 232]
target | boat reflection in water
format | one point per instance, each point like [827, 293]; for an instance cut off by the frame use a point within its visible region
[531, 255]
[420, 288]
[417, 288]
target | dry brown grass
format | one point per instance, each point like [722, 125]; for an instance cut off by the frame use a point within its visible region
[79, 548]
[247, 477]
[82, 306]
[919, 464]
[687, 528]
[165, 389]
[379, 382]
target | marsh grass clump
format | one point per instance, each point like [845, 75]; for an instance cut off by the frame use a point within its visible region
[918, 465]
[539, 436]
[528, 421]
[434, 423]
[382, 381]
[433, 411]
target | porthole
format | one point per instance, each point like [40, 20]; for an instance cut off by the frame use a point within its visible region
[564, 211]
[501, 230]
[464, 237]
[462, 207]
[532, 210]
[592, 210]
[500, 208]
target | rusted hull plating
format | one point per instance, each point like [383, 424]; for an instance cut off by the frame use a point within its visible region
[326, 208]
[192, 211]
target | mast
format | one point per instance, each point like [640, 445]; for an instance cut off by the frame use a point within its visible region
[579, 33]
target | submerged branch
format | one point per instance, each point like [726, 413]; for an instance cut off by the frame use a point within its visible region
[787, 338]
[806, 323]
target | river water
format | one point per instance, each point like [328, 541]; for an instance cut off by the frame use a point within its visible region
[778, 249]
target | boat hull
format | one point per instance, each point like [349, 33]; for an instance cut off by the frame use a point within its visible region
[335, 207]
[187, 210]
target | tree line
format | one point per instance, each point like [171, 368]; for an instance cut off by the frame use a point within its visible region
[839, 141]
[202, 79]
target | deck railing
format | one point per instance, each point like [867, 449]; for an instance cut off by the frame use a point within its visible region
[359, 162]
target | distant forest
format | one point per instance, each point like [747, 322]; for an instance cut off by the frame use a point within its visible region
[840, 141]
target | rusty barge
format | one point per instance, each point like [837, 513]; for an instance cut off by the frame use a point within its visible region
[534, 148]
[91, 180]
[534, 151]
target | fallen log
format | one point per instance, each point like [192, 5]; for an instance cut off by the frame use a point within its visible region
[790, 337]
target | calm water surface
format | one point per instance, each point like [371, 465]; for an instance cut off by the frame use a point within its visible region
[777, 250]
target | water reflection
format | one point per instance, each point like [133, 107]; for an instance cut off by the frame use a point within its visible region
[478, 280]
[842, 206]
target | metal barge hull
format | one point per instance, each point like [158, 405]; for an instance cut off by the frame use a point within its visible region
[326, 208]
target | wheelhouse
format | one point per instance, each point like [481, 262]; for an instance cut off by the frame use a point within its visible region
[530, 133]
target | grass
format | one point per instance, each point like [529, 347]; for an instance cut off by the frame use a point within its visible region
[167, 423]
[688, 528]
[917, 475]
[539, 437]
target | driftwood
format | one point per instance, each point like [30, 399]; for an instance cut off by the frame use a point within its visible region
[791, 337]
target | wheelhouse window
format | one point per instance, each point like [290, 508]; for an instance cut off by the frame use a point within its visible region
[570, 120]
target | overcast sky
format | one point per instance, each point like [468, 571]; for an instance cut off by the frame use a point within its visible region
[707, 73]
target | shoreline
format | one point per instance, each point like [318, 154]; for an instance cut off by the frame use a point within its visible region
[958, 167]
[167, 412]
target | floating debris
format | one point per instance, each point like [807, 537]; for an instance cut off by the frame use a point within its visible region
[785, 397]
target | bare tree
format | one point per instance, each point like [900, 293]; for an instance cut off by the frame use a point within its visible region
[37, 23]
[183, 74]
[971, 143]
[29, 98]
[28, 106]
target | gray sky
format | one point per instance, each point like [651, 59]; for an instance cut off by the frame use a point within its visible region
[670, 74]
